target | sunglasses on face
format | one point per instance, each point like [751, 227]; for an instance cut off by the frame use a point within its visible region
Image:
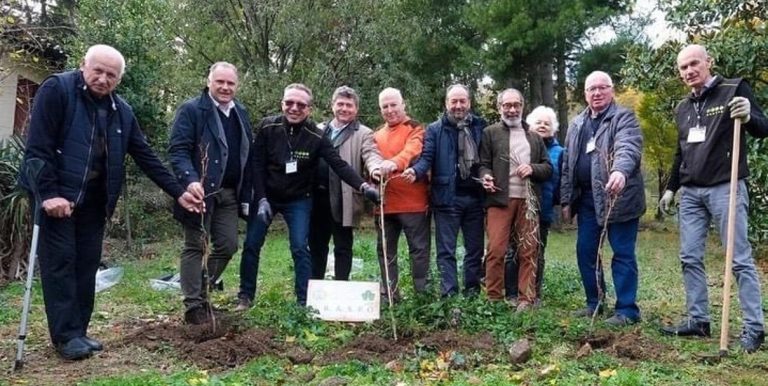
[299, 105]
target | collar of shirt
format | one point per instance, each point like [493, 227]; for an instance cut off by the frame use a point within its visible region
[223, 108]
[706, 86]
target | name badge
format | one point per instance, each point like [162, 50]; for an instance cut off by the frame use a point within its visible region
[591, 145]
[697, 134]
[291, 167]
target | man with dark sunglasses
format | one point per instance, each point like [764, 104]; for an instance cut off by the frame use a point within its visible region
[286, 153]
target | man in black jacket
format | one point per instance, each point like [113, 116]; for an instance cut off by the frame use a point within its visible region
[209, 149]
[286, 152]
[701, 171]
[82, 131]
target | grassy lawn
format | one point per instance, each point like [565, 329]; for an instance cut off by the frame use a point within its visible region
[636, 355]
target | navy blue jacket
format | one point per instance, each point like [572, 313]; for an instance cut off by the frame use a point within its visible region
[197, 128]
[440, 156]
[550, 189]
[61, 133]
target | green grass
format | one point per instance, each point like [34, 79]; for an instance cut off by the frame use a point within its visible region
[554, 333]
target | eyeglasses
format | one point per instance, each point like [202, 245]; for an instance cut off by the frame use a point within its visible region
[299, 105]
[600, 88]
[509, 106]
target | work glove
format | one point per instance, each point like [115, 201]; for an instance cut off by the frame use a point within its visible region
[370, 193]
[245, 208]
[265, 211]
[666, 201]
[740, 108]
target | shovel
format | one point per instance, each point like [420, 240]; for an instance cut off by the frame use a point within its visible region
[32, 170]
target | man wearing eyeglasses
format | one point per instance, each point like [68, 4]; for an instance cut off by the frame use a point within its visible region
[602, 185]
[208, 150]
[513, 163]
[286, 152]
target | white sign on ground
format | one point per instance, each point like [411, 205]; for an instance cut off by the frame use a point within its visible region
[344, 301]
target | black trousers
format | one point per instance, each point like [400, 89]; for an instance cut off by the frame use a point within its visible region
[70, 253]
[321, 228]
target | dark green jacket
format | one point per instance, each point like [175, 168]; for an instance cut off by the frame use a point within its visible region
[494, 160]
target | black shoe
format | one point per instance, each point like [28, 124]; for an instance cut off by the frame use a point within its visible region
[586, 312]
[199, 314]
[619, 320]
[94, 344]
[751, 340]
[74, 349]
[688, 328]
[217, 285]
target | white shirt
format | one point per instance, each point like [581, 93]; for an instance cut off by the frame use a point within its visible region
[223, 108]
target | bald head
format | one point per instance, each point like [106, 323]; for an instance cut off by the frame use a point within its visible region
[695, 66]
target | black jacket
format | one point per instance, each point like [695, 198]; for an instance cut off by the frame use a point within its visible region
[61, 133]
[197, 127]
[708, 163]
[276, 143]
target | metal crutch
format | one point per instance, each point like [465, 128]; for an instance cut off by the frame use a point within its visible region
[32, 169]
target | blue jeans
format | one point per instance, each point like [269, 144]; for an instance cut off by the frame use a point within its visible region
[296, 214]
[698, 207]
[466, 214]
[623, 237]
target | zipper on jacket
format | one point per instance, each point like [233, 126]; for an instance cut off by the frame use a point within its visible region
[87, 164]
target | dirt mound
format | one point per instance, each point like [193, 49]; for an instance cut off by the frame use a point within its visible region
[372, 348]
[207, 347]
[631, 345]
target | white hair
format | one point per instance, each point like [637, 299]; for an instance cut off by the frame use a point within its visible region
[597, 74]
[545, 112]
[391, 91]
[103, 49]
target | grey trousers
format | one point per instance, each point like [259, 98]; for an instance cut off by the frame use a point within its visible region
[699, 206]
[221, 222]
[416, 229]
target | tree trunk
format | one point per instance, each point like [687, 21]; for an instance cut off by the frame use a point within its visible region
[562, 90]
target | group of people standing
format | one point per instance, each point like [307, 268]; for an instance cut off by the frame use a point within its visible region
[507, 177]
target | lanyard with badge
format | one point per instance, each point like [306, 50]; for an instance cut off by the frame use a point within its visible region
[591, 143]
[698, 133]
[291, 165]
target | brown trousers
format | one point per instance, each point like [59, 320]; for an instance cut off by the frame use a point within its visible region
[501, 223]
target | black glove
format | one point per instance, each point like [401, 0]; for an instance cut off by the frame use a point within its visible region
[370, 193]
[265, 211]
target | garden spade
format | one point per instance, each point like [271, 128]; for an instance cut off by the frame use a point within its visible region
[730, 237]
[32, 169]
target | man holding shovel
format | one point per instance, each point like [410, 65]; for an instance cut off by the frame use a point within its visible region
[702, 170]
[82, 131]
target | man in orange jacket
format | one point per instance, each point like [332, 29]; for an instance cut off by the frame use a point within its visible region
[400, 141]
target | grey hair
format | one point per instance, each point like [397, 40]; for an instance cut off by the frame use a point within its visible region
[346, 92]
[456, 85]
[218, 65]
[299, 86]
[543, 111]
[514, 90]
[105, 49]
